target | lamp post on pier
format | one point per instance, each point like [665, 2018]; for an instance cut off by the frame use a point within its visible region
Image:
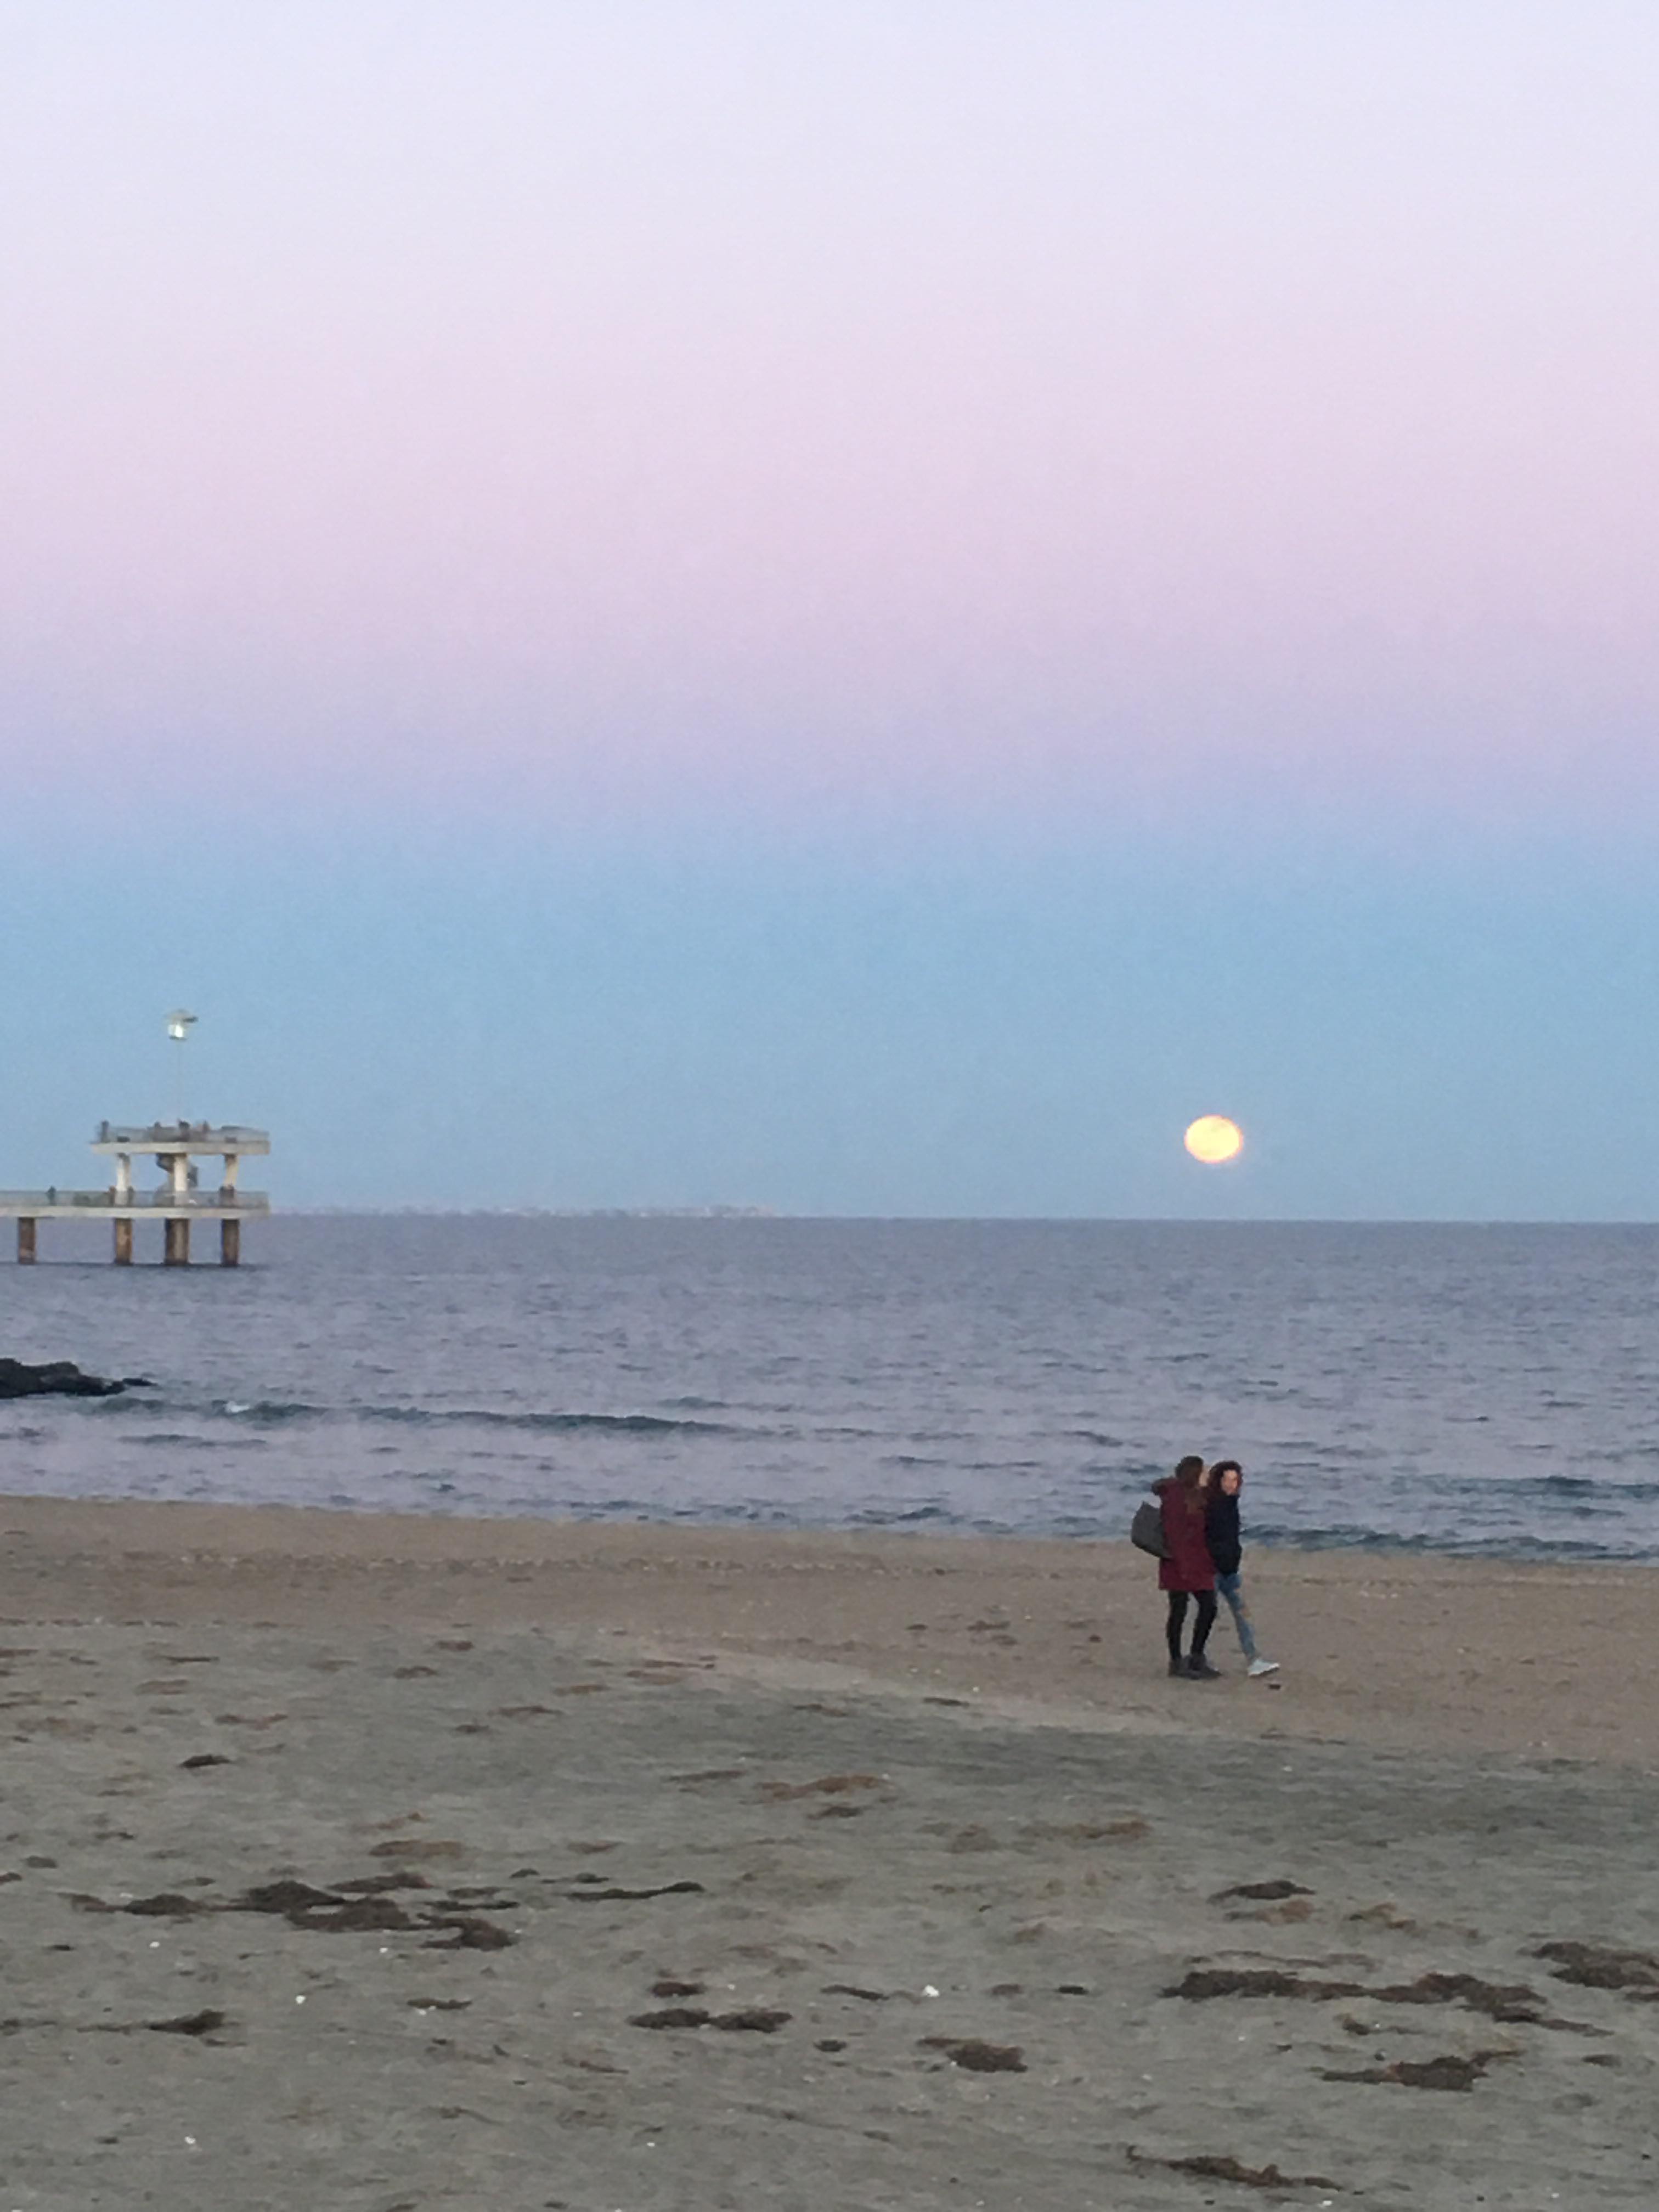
[181, 1023]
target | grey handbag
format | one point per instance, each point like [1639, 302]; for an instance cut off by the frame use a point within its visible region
[1147, 1529]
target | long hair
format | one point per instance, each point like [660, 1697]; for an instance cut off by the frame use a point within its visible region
[1189, 1475]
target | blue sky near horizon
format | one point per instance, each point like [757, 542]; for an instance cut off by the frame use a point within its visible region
[857, 607]
[572, 1026]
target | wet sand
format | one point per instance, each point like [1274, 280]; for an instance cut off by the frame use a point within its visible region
[395, 1864]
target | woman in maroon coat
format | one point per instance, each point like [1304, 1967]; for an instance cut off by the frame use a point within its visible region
[1186, 1569]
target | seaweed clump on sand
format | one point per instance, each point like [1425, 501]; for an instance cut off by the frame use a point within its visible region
[1510, 2003]
[1212, 2165]
[976, 2057]
[1603, 1966]
[1448, 2072]
[363, 1907]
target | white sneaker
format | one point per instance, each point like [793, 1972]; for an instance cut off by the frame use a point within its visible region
[1262, 1667]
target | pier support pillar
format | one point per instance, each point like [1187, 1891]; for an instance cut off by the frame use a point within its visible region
[230, 1243]
[175, 1252]
[124, 1242]
[25, 1241]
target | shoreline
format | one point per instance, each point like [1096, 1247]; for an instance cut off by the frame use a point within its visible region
[1529, 1658]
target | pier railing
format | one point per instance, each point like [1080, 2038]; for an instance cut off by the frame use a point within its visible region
[163, 1137]
[216, 1200]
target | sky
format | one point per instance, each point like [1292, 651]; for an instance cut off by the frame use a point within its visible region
[858, 608]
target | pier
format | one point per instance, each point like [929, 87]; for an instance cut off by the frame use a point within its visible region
[176, 1147]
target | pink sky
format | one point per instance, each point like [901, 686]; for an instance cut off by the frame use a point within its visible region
[1076, 401]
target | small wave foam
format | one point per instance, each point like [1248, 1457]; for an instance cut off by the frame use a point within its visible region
[1551, 1493]
[633, 1425]
[876, 1517]
[270, 1411]
[274, 1412]
[182, 1440]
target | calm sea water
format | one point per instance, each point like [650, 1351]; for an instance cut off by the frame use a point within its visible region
[1470, 1390]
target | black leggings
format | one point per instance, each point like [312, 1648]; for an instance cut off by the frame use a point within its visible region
[1201, 1626]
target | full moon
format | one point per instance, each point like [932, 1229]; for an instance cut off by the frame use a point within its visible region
[1212, 1138]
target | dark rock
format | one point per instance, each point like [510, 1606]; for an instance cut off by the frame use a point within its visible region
[57, 1379]
[673, 2016]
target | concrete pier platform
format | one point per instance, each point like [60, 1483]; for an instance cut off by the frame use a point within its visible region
[175, 1147]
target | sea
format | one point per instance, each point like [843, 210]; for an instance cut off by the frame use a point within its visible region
[1485, 1390]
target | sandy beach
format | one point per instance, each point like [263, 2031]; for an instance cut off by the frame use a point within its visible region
[390, 1863]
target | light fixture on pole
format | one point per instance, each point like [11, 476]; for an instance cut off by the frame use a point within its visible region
[180, 1022]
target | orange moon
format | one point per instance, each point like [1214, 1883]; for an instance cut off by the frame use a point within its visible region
[1212, 1138]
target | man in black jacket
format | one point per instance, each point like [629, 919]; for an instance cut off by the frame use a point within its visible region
[1221, 1533]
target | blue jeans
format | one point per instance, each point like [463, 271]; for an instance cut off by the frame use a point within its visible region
[1231, 1587]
